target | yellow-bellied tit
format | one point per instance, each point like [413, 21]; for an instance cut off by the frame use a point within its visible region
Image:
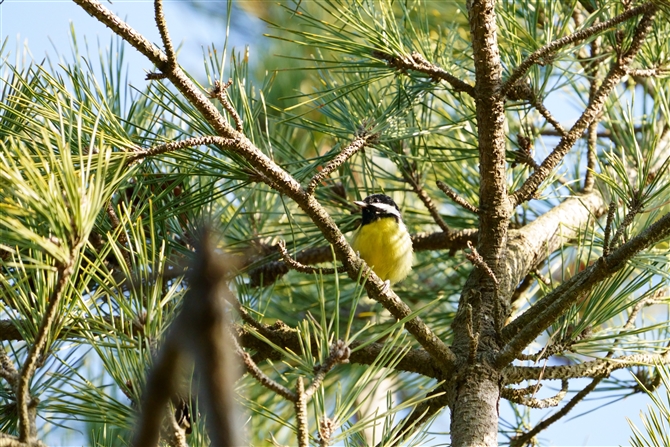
[382, 239]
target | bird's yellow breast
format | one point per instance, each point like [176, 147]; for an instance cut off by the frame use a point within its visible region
[386, 246]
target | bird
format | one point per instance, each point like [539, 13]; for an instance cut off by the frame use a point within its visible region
[382, 240]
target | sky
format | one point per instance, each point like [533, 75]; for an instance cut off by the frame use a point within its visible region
[37, 29]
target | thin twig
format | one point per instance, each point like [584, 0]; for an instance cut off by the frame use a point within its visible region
[524, 92]
[339, 353]
[456, 198]
[478, 261]
[301, 413]
[592, 140]
[526, 283]
[546, 51]
[539, 106]
[647, 72]
[600, 134]
[220, 92]
[525, 155]
[362, 140]
[122, 237]
[608, 228]
[591, 156]
[163, 30]
[547, 351]
[255, 372]
[473, 334]
[417, 62]
[177, 145]
[7, 369]
[635, 208]
[593, 368]
[427, 201]
[116, 223]
[515, 394]
[302, 268]
[532, 402]
[522, 439]
[23, 399]
[244, 314]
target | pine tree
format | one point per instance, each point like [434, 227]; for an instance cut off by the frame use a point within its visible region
[153, 237]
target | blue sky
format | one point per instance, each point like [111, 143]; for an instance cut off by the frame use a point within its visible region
[43, 27]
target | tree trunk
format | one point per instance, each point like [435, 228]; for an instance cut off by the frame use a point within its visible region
[474, 391]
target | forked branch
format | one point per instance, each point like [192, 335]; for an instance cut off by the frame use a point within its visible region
[363, 139]
[524, 329]
[278, 179]
[577, 36]
[416, 62]
[616, 73]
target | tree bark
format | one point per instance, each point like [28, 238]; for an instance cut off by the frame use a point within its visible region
[474, 392]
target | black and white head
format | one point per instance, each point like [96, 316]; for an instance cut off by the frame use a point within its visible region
[378, 206]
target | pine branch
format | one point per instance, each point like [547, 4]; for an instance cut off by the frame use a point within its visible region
[411, 360]
[141, 154]
[297, 266]
[416, 62]
[535, 320]
[282, 181]
[254, 371]
[539, 106]
[616, 73]
[220, 91]
[170, 71]
[26, 404]
[363, 139]
[591, 156]
[647, 72]
[301, 413]
[524, 92]
[591, 69]
[592, 369]
[478, 261]
[456, 198]
[165, 35]
[412, 176]
[600, 134]
[339, 353]
[525, 437]
[548, 50]
[519, 396]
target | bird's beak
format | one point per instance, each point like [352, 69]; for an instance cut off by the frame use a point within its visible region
[360, 203]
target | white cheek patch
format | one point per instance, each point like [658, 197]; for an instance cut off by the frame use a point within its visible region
[389, 209]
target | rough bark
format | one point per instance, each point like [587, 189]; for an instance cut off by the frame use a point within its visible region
[474, 393]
